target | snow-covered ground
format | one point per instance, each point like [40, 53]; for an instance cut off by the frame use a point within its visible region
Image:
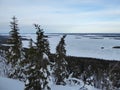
[10, 84]
[95, 46]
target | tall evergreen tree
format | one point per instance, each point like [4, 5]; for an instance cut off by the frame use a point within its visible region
[38, 75]
[14, 52]
[61, 64]
[42, 41]
[43, 60]
[32, 83]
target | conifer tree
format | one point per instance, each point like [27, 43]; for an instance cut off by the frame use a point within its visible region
[61, 64]
[32, 83]
[14, 52]
[42, 41]
[38, 75]
[43, 59]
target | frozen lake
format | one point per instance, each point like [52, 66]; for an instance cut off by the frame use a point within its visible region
[85, 45]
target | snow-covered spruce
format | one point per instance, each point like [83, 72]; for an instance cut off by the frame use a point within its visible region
[14, 53]
[60, 67]
[4, 67]
[37, 73]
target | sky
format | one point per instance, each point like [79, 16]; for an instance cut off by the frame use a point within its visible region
[62, 16]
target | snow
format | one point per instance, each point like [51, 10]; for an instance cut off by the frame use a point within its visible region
[3, 66]
[87, 47]
[84, 45]
[45, 56]
[7, 45]
[59, 87]
[74, 81]
[27, 81]
[10, 84]
[33, 67]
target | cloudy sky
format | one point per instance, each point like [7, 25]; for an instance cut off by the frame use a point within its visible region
[72, 16]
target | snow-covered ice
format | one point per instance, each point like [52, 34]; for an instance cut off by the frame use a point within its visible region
[85, 46]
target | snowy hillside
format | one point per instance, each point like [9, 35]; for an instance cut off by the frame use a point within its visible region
[10, 84]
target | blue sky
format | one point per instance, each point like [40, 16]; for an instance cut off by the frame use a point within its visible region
[71, 16]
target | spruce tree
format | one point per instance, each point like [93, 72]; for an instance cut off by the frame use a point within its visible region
[38, 74]
[32, 83]
[42, 41]
[43, 59]
[14, 51]
[60, 67]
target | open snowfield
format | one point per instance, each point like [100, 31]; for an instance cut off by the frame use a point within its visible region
[96, 46]
[10, 84]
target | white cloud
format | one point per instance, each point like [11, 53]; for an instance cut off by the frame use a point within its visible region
[91, 27]
[61, 15]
